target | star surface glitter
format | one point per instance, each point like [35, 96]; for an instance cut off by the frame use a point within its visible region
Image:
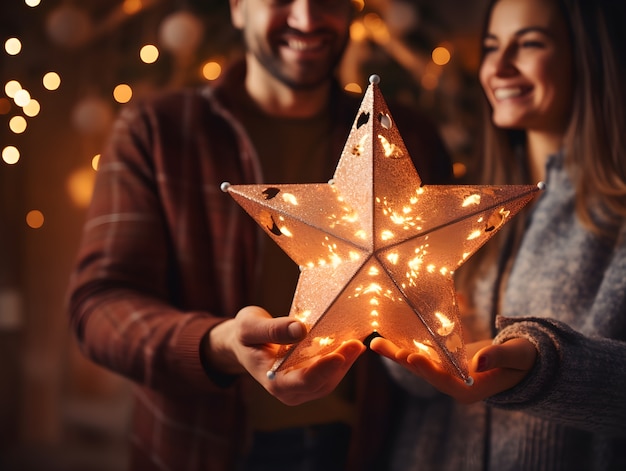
[377, 250]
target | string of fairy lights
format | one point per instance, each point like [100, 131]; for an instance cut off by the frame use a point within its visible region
[180, 34]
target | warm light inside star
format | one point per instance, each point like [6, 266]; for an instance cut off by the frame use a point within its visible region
[377, 249]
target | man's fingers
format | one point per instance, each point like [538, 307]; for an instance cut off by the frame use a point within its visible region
[258, 327]
[335, 365]
[351, 350]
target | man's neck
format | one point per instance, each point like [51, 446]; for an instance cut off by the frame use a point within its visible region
[276, 98]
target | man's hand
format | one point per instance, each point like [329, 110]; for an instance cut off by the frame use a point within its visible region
[494, 368]
[250, 341]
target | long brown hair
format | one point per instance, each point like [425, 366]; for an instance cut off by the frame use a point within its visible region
[596, 139]
[595, 142]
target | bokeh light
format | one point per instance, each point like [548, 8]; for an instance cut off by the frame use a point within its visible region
[149, 53]
[10, 155]
[34, 219]
[32, 3]
[353, 87]
[459, 169]
[13, 46]
[93, 115]
[17, 124]
[12, 87]
[211, 70]
[376, 27]
[21, 98]
[130, 7]
[69, 25]
[95, 162]
[359, 5]
[122, 93]
[51, 81]
[441, 55]
[358, 32]
[80, 186]
[5, 106]
[32, 108]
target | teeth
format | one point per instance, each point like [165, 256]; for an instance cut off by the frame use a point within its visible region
[504, 93]
[300, 45]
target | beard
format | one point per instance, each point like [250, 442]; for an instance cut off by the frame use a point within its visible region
[305, 74]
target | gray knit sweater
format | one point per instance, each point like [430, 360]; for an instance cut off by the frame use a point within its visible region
[566, 293]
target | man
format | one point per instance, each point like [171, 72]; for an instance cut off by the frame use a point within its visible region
[170, 269]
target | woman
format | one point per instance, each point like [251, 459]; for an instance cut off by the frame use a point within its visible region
[550, 388]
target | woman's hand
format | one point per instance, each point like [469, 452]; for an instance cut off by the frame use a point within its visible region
[250, 341]
[494, 368]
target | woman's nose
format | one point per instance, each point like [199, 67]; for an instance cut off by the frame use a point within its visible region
[504, 62]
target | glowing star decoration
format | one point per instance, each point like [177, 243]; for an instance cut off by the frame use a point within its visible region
[377, 250]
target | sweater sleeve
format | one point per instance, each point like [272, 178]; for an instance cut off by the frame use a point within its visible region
[577, 381]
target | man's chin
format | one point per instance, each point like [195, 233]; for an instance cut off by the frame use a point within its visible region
[305, 85]
[308, 78]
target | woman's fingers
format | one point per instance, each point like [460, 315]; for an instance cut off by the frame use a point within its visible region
[494, 368]
[384, 347]
[516, 354]
[318, 379]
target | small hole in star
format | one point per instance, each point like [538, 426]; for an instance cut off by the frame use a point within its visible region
[363, 119]
[274, 229]
[270, 192]
[495, 221]
[385, 121]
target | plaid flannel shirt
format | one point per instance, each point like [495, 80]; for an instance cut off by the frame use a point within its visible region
[165, 256]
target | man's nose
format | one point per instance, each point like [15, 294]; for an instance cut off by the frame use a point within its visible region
[305, 15]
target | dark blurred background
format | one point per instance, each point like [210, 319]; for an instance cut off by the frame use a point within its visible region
[66, 67]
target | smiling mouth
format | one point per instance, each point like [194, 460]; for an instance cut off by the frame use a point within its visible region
[509, 92]
[308, 45]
